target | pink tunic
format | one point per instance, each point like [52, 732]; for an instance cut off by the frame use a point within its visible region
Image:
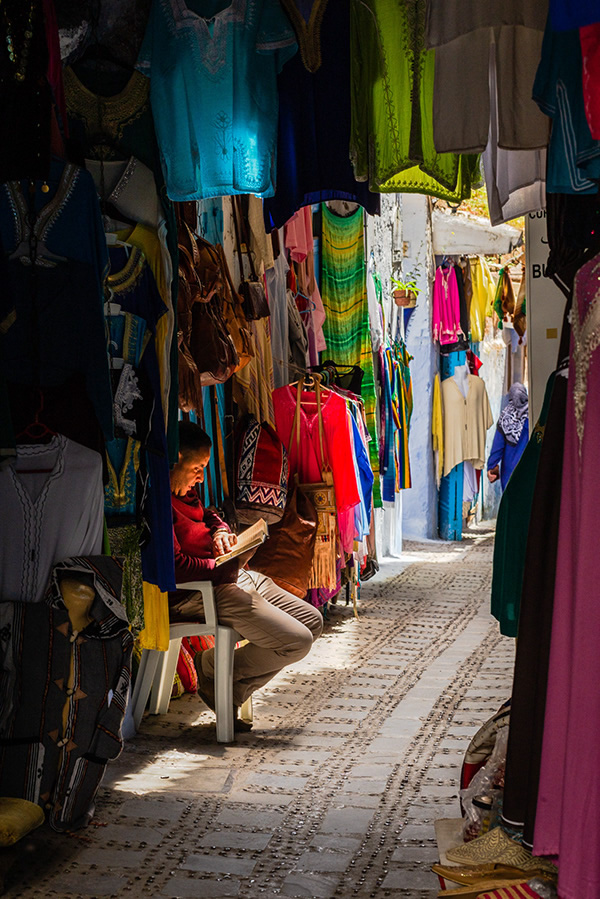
[568, 818]
[300, 242]
[446, 306]
[337, 443]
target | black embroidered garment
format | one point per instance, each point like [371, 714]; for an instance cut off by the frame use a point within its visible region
[56, 739]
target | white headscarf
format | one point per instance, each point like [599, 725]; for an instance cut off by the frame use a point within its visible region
[513, 416]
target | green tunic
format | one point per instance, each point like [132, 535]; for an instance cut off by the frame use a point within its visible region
[391, 142]
[512, 527]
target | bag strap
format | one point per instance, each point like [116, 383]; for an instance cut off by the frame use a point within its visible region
[240, 225]
[296, 423]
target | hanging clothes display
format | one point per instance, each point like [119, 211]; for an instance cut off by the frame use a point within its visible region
[501, 118]
[41, 522]
[299, 241]
[467, 418]
[25, 94]
[392, 94]
[395, 409]
[512, 527]
[573, 155]
[346, 327]
[566, 823]
[65, 690]
[313, 163]
[446, 312]
[218, 136]
[133, 288]
[437, 430]
[482, 298]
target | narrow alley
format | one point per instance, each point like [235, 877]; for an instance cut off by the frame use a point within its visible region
[355, 752]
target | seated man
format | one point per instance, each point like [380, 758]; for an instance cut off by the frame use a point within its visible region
[280, 627]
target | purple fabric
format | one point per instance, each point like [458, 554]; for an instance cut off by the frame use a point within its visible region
[567, 820]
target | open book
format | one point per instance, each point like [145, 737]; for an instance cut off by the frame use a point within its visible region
[249, 539]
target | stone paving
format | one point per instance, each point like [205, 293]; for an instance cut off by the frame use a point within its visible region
[354, 754]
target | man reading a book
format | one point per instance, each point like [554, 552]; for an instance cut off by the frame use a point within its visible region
[280, 627]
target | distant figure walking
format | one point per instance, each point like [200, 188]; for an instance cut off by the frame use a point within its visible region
[512, 434]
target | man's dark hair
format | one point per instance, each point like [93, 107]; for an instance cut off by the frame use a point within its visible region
[192, 439]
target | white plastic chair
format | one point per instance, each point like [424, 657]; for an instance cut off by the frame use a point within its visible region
[157, 669]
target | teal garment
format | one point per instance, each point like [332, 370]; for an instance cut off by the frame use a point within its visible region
[512, 527]
[573, 155]
[213, 90]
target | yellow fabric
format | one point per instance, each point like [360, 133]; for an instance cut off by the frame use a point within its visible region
[147, 240]
[156, 618]
[437, 429]
[17, 818]
[484, 291]
[466, 421]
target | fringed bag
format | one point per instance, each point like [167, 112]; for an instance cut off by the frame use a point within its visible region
[322, 496]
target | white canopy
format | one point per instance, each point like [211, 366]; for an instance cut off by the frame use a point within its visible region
[455, 234]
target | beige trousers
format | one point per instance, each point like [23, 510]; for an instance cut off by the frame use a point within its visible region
[280, 628]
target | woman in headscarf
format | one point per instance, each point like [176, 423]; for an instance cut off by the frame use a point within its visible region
[512, 434]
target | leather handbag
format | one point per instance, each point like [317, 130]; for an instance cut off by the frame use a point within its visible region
[287, 555]
[251, 290]
[322, 496]
[235, 318]
[211, 346]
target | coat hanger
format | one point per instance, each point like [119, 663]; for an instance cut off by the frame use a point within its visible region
[37, 430]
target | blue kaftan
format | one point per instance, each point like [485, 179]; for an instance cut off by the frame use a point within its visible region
[213, 89]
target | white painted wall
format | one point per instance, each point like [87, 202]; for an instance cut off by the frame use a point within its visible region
[420, 502]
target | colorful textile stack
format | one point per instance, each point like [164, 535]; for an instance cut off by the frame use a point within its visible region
[346, 328]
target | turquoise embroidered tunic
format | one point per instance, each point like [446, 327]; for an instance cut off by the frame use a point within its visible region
[213, 89]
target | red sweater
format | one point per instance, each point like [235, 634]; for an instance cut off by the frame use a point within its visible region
[193, 529]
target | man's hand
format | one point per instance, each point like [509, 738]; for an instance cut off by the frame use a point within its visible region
[493, 474]
[223, 542]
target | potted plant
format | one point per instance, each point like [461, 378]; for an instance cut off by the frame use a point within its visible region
[405, 293]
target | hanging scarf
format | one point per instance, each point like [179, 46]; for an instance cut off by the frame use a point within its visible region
[513, 416]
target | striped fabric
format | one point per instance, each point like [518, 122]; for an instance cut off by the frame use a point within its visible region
[346, 328]
[517, 891]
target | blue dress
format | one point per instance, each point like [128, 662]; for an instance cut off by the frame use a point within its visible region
[567, 14]
[213, 89]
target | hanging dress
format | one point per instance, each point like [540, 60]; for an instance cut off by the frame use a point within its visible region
[347, 330]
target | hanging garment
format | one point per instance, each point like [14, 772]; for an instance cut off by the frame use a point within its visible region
[53, 286]
[573, 155]
[134, 289]
[218, 136]
[64, 693]
[346, 329]
[276, 285]
[589, 37]
[484, 291]
[391, 142]
[506, 31]
[129, 187]
[110, 118]
[566, 821]
[253, 385]
[47, 516]
[446, 306]
[25, 95]
[298, 238]
[512, 527]
[437, 430]
[466, 421]
[566, 14]
[313, 163]
[535, 626]
[336, 440]
[116, 122]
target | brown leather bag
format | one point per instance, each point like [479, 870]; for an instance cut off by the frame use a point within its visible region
[287, 555]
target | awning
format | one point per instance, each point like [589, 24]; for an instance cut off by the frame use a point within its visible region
[455, 234]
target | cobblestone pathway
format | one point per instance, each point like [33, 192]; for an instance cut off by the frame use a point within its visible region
[354, 753]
